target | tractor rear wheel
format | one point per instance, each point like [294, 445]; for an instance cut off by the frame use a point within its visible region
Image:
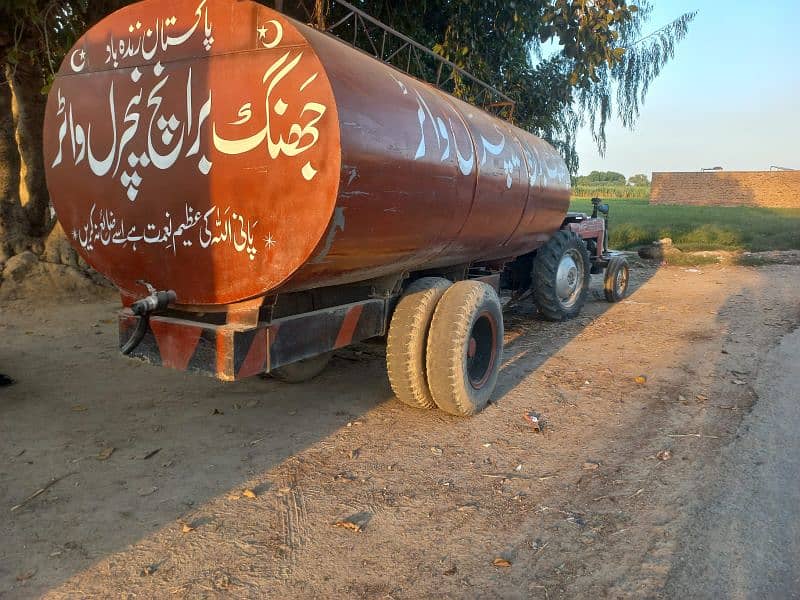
[465, 348]
[407, 341]
[561, 275]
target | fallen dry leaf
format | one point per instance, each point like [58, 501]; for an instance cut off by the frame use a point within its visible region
[640, 379]
[79, 408]
[739, 382]
[591, 466]
[106, 453]
[345, 524]
[501, 562]
[436, 451]
[701, 397]
[248, 493]
[664, 455]
[186, 528]
[356, 522]
[27, 575]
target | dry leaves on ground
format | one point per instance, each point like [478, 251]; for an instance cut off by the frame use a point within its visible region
[105, 453]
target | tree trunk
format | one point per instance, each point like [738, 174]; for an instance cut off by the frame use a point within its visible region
[14, 228]
[27, 83]
[58, 250]
[320, 13]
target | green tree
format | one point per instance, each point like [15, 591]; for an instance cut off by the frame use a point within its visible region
[638, 179]
[601, 178]
[34, 36]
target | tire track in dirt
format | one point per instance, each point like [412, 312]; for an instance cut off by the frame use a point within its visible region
[294, 521]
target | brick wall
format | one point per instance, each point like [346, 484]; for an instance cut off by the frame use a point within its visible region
[777, 189]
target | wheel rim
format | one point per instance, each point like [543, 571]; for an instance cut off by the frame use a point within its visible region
[621, 281]
[569, 278]
[481, 350]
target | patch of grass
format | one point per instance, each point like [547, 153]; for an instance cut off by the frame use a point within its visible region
[635, 222]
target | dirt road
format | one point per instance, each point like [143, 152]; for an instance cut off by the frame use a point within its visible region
[587, 508]
[744, 538]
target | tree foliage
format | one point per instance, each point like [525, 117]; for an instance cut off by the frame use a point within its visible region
[39, 32]
[638, 179]
[34, 36]
[601, 177]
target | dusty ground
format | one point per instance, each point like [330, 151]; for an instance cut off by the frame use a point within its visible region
[746, 543]
[584, 509]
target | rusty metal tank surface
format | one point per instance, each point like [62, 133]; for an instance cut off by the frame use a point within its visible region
[223, 150]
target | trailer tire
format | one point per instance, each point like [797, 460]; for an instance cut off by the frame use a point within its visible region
[561, 275]
[615, 282]
[407, 341]
[302, 370]
[465, 348]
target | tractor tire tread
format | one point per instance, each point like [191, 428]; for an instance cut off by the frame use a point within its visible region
[545, 268]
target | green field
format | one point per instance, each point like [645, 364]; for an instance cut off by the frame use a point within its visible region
[635, 222]
[611, 191]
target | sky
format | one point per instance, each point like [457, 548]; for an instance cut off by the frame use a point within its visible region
[729, 98]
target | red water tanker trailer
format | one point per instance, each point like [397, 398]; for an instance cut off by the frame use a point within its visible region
[263, 194]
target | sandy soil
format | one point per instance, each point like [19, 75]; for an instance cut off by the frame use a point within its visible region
[745, 539]
[584, 509]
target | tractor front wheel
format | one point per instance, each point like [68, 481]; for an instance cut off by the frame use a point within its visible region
[615, 282]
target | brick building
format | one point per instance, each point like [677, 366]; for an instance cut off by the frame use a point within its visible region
[777, 189]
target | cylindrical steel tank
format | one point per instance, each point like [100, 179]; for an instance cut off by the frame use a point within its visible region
[223, 150]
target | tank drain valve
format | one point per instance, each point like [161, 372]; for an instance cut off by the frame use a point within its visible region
[155, 301]
[142, 308]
